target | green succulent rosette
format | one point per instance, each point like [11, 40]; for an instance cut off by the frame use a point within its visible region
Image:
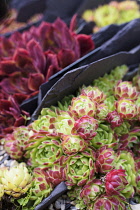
[72, 144]
[16, 180]
[126, 162]
[45, 120]
[126, 108]
[64, 123]
[125, 89]
[107, 82]
[82, 105]
[105, 136]
[102, 111]
[80, 168]
[106, 15]
[94, 93]
[43, 149]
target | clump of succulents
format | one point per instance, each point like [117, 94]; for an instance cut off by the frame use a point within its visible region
[29, 59]
[90, 141]
[114, 12]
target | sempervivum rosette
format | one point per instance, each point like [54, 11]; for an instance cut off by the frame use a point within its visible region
[125, 90]
[14, 143]
[94, 93]
[126, 108]
[126, 162]
[41, 188]
[64, 123]
[16, 180]
[91, 190]
[82, 105]
[43, 149]
[115, 182]
[55, 174]
[72, 144]
[105, 161]
[102, 111]
[114, 119]
[45, 120]
[80, 168]
[85, 127]
[105, 202]
[105, 136]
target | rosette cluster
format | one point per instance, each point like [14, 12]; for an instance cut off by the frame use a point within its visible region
[90, 141]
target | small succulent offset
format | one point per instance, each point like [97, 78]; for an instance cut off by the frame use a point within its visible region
[40, 186]
[115, 181]
[82, 105]
[92, 190]
[72, 144]
[55, 174]
[124, 89]
[114, 119]
[86, 127]
[94, 93]
[105, 159]
[126, 108]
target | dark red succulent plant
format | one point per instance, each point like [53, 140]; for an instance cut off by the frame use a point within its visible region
[29, 59]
